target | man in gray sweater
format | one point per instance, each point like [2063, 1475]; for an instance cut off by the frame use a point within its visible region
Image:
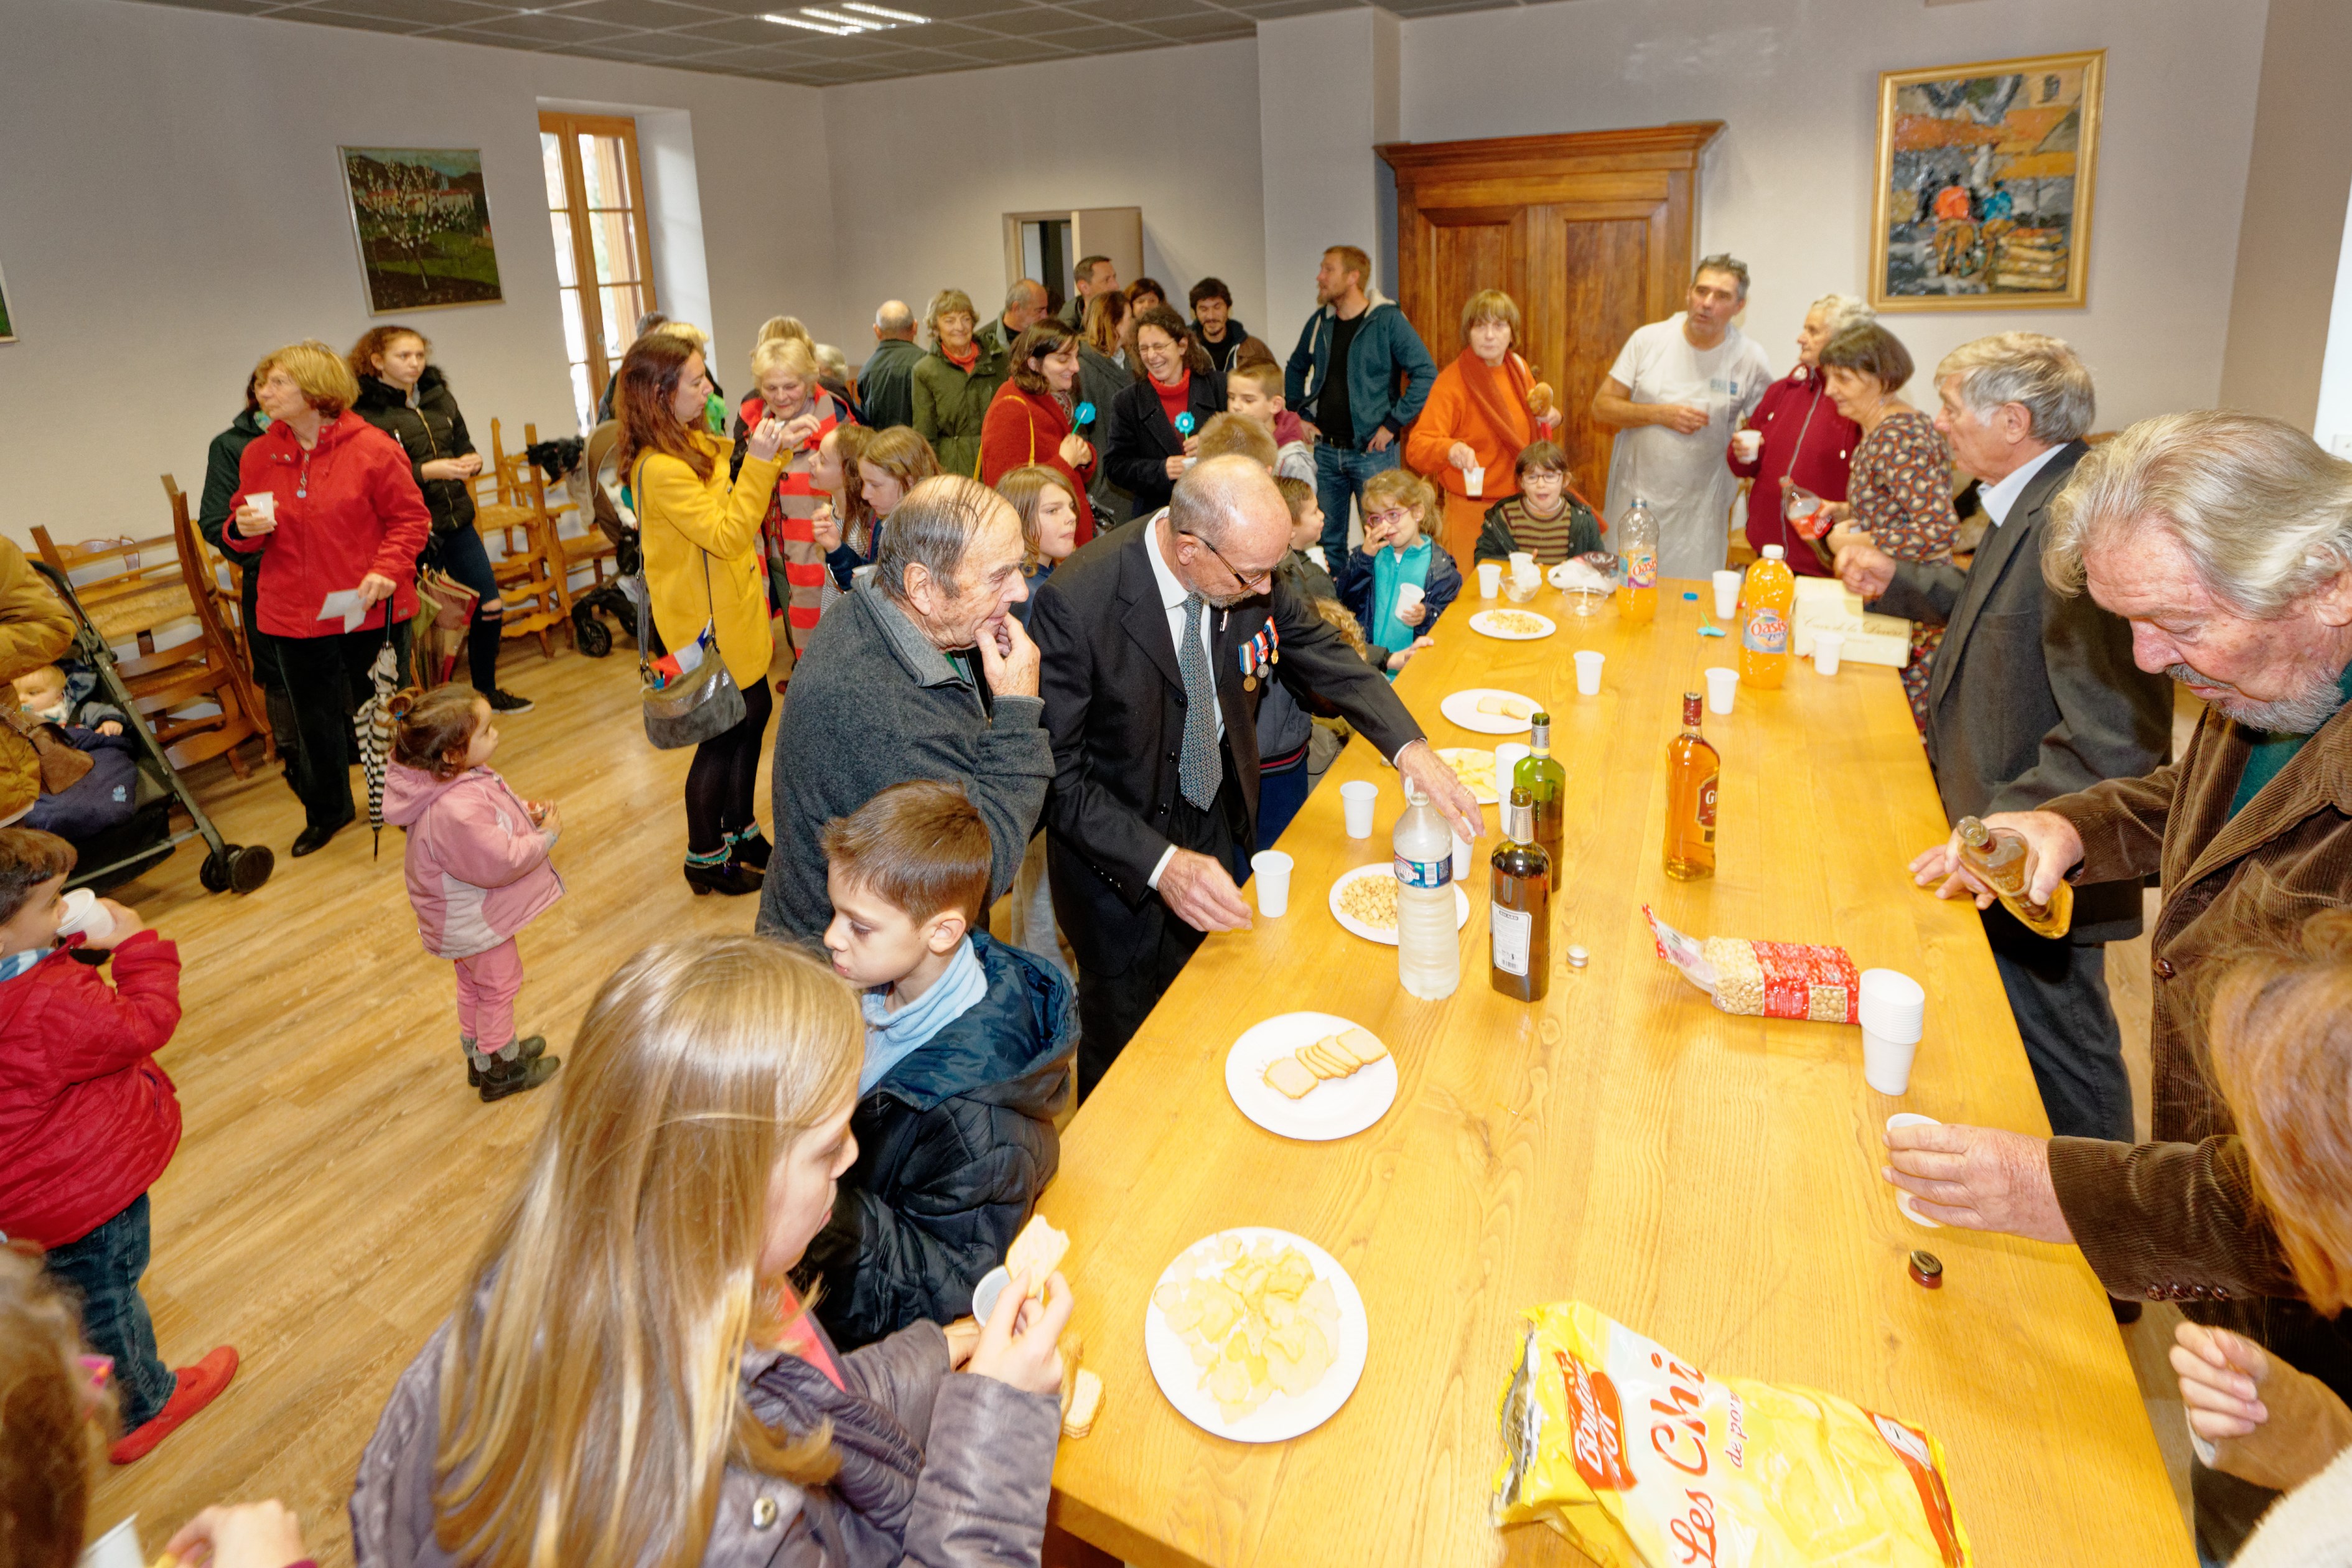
[919, 672]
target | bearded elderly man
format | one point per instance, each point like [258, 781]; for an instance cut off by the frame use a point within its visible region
[2225, 540]
[919, 672]
[1160, 641]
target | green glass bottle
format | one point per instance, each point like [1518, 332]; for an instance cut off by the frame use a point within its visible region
[1546, 783]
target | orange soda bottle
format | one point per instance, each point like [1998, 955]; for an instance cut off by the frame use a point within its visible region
[1770, 598]
[1637, 549]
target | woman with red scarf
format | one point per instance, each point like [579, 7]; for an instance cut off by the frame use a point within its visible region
[952, 384]
[1478, 415]
[785, 388]
[1797, 439]
[1032, 419]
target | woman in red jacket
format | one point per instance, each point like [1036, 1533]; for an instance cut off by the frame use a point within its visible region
[1034, 414]
[337, 532]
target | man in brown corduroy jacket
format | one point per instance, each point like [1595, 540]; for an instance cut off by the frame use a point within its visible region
[2226, 540]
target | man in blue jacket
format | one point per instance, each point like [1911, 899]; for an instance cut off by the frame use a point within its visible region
[1358, 376]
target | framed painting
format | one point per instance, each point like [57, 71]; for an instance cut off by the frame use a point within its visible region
[421, 219]
[7, 322]
[1985, 172]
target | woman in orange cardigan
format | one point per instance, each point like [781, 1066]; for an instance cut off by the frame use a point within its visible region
[1486, 405]
[1033, 416]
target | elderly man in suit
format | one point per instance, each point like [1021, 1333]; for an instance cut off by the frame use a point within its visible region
[2225, 541]
[1157, 643]
[2034, 695]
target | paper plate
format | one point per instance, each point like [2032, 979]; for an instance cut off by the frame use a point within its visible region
[1374, 934]
[1336, 1107]
[1485, 624]
[1455, 757]
[1461, 708]
[1281, 1418]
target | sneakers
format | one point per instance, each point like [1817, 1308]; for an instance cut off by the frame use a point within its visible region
[501, 1079]
[508, 702]
[530, 1048]
[197, 1386]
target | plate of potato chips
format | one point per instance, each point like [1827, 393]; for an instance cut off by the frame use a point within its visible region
[1255, 1334]
[1311, 1076]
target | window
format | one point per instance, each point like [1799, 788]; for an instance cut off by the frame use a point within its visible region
[595, 201]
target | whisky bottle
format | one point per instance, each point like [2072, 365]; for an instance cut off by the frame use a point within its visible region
[1546, 783]
[1518, 909]
[1692, 770]
[2000, 858]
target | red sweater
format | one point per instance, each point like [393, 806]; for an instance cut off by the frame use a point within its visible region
[1822, 462]
[88, 1121]
[1174, 400]
[362, 513]
[1022, 428]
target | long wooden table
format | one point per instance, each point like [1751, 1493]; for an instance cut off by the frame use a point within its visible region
[1709, 1181]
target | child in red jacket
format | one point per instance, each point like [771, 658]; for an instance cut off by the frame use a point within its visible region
[88, 1122]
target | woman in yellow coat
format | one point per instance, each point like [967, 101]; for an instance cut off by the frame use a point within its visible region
[1483, 408]
[708, 584]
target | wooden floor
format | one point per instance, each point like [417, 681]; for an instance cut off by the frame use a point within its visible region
[336, 1173]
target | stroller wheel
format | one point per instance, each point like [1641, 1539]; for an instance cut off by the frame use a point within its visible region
[214, 873]
[594, 637]
[239, 868]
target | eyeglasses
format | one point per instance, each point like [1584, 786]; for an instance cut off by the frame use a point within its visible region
[1255, 582]
[1389, 519]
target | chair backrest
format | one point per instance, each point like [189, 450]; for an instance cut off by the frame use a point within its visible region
[127, 587]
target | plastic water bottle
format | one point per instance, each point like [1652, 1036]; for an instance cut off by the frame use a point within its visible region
[1637, 548]
[1429, 952]
[1770, 599]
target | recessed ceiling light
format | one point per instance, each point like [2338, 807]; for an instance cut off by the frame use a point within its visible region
[827, 29]
[906, 18]
[854, 23]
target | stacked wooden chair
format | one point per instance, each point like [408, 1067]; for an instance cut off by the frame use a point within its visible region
[510, 508]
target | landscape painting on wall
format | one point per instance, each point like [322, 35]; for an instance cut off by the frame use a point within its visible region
[7, 322]
[1984, 183]
[423, 221]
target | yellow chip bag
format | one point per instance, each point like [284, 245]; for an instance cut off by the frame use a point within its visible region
[1645, 1462]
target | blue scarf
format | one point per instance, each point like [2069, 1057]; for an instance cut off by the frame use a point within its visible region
[1388, 570]
[891, 1037]
[17, 963]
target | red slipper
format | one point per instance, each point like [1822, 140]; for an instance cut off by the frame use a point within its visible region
[198, 1386]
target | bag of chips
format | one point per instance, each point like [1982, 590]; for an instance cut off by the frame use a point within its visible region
[1645, 1462]
[1764, 979]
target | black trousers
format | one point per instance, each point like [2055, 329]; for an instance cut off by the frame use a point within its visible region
[2058, 991]
[1112, 1007]
[724, 774]
[326, 680]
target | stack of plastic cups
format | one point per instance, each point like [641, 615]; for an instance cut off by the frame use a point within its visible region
[1892, 1012]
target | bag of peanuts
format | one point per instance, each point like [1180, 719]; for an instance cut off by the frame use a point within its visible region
[1645, 1462]
[1764, 979]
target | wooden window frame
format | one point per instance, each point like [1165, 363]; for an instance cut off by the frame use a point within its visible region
[568, 128]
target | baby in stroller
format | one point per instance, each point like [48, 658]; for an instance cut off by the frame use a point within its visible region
[103, 797]
[66, 697]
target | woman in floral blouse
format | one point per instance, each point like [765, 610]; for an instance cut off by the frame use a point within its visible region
[1900, 498]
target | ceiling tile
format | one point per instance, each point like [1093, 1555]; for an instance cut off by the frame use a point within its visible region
[240, 7]
[421, 12]
[639, 13]
[540, 30]
[746, 32]
[338, 20]
[1195, 29]
[1101, 36]
[1133, 10]
[1267, 10]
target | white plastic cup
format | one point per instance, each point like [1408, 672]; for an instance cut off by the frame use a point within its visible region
[1490, 579]
[1521, 559]
[1827, 647]
[1902, 1198]
[1726, 595]
[1356, 799]
[118, 1548]
[1722, 683]
[1408, 595]
[1749, 443]
[1507, 766]
[1270, 870]
[85, 916]
[1892, 1010]
[1460, 857]
[265, 502]
[984, 1294]
[1588, 672]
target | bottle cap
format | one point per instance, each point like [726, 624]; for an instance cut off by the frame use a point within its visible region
[1926, 1269]
[1774, 552]
[1578, 958]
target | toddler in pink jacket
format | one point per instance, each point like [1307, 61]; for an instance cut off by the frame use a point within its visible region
[477, 873]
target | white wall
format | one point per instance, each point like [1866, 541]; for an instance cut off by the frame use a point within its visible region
[1327, 96]
[170, 208]
[1788, 188]
[925, 169]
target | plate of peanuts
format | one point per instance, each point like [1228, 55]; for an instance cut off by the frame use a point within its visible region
[1365, 901]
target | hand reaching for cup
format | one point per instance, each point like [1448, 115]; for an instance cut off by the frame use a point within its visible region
[1018, 1344]
[825, 528]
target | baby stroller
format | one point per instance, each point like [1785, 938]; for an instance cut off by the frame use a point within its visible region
[113, 856]
[604, 505]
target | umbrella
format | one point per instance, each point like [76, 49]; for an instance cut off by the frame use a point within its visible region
[444, 607]
[374, 725]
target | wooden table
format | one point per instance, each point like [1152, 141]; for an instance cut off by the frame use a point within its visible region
[1709, 1181]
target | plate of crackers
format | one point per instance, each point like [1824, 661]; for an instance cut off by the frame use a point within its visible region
[1489, 712]
[1255, 1334]
[1365, 901]
[1311, 1076]
[1512, 626]
[1475, 768]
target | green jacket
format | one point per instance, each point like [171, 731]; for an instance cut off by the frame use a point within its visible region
[951, 404]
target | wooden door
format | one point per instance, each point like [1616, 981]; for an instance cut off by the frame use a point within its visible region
[1592, 233]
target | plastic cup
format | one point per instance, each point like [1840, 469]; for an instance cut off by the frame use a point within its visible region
[1588, 672]
[85, 917]
[1490, 579]
[1506, 764]
[1902, 1198]
[1356, 799]
[1726, 595]
[1408, 595]
[1827, 647]
[1722, 683]
[1749, 443]
[1460, 857]
[1892, 1009]
[984, 1294]
[1521, 559]
[265, 502]
[1270, 870]
[118, 1548]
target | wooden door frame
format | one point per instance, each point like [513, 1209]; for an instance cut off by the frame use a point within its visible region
[568, 128]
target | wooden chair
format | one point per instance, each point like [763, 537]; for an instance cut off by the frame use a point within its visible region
[221, 583]
[511, 507]
[139, 587]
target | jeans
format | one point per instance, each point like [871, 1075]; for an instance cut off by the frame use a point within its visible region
[1339, 476]
[103, 1268]
[460, 552]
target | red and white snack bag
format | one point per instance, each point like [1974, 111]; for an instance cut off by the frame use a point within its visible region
[1764, 979]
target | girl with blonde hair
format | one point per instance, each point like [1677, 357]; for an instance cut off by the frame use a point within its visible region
[1400, 580]
[629, 1380]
